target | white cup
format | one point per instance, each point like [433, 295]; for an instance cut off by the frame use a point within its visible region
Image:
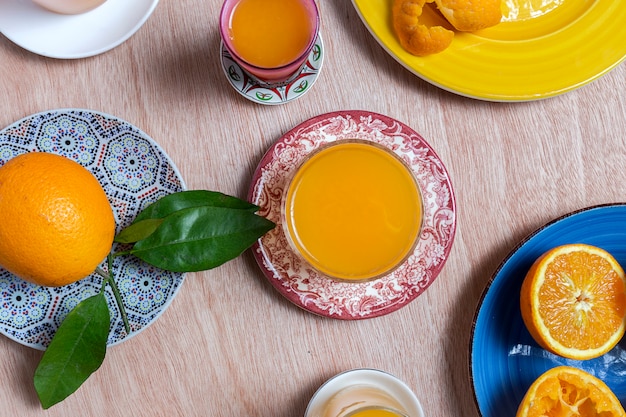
[69, 6]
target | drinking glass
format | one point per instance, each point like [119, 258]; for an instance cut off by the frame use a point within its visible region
[364, 392]
[270, 39]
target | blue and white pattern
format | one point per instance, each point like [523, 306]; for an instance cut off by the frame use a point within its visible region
[134, 172]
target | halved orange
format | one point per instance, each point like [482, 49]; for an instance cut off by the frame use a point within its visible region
[569, 392]
[573, 301]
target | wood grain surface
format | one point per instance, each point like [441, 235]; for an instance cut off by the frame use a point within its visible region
[229, 344]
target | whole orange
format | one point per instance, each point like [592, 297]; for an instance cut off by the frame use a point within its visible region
[57, 224]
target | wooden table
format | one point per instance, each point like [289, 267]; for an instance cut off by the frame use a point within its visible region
[229, 344]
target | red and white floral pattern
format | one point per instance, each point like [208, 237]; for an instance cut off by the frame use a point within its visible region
[306, 287]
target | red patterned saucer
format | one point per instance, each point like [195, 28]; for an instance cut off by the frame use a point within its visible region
[309, 289]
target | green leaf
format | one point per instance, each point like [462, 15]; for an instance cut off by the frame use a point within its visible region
[194, 198]
[200, 238]
[75, 352]
[138, 230]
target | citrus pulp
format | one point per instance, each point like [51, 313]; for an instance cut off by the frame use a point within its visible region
[572, 392]
[573, 301]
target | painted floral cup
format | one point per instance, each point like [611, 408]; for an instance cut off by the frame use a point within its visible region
[270, 39]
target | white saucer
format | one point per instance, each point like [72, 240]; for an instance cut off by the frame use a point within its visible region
[255, 91]
[372, 377]
[72, 36]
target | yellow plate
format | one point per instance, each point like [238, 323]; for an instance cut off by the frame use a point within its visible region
[540, 49]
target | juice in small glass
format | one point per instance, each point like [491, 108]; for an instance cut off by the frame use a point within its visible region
[353, 210]
[363, 401]
[364, 393]
[374, 412]
[270, 39]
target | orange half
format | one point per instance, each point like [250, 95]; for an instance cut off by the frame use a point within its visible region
[573, 301]
[569, 391]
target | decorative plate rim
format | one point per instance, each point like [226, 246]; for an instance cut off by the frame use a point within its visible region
[73, 25]
[67, 290]
[354, 301]
[496, 274]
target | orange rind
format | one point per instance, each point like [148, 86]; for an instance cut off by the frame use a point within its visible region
[471, 15]
[417, 38]
[569, 391]
[58, 225]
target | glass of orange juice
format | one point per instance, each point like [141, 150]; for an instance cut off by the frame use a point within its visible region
[270, 39]
[364, 393]
[352, 210]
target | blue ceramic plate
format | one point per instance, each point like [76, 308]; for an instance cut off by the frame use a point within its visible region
[505, 360]
[134, 172]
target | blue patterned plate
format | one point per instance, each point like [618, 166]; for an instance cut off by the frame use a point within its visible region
[505, 360]
[134, 171]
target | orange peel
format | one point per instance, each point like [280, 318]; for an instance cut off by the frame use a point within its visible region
[58, 224]
[569, 391]
[471, 15]
[417, 38]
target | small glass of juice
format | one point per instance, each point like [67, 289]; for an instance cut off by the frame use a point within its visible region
[270, 39]
[352, 210]
[363, 401]
[364, 393]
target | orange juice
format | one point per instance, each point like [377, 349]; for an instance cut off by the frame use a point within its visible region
[363, 401]
[353, 210]
[271, 33]
[375, 412]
